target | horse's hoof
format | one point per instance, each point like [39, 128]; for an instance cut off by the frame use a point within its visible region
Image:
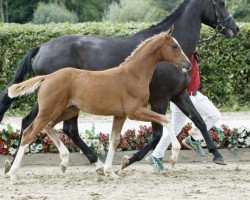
[125, 162]
[219, 161]
[63, 168]
[7, 166]
[100, 171]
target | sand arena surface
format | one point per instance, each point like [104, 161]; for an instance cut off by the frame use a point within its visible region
[139, 181]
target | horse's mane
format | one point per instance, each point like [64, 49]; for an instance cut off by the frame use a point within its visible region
[140, 46]
[175, 13]
[169, 19]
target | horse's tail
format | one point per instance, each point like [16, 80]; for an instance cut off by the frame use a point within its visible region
[25, 87]
[23, 68]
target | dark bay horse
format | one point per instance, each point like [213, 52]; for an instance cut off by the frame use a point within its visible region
[102, 93]
[99, 53]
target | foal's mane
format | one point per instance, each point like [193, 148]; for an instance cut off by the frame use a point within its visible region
[142, 45]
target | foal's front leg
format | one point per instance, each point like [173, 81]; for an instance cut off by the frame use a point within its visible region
[113, 143]
[143, 114]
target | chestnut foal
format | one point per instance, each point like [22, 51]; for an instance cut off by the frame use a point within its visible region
[122, 92]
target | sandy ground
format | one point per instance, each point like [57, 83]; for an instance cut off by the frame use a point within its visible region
[185, 181]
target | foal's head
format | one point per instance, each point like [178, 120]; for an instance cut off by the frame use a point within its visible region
[172, 52]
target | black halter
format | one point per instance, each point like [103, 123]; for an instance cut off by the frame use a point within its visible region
[221, 23]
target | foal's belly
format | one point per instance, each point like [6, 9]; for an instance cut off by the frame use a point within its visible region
[103, 110]
[100, 106]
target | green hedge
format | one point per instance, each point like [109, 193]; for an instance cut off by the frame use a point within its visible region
[225, 62]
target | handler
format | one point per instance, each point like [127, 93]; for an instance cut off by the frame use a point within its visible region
[202, 104]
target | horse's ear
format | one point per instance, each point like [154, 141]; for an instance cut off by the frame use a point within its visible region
[170, 31]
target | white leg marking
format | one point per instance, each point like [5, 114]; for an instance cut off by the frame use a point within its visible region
[99, 167]
[109, 160]
[13, 170]
[64, 152]
[175, 143]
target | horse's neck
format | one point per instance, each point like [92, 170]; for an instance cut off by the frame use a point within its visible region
[187, 27]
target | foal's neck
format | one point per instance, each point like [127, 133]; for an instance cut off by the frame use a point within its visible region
[142, 61]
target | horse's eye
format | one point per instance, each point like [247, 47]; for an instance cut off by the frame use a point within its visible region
[222, 3]
[175, 46]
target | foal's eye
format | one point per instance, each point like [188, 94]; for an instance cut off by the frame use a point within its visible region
[175, 46]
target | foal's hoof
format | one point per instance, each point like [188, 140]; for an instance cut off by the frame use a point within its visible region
[110, 174]
[64, 168]
[7, 166]
[173, 160]
[125, 162]
[100, 171]
[219, 161]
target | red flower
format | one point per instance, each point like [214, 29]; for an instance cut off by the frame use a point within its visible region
[46, 148]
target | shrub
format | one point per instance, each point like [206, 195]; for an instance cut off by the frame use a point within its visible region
[53, 12]
[130, 10]
[224, 68]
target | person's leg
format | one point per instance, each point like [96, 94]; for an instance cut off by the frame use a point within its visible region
[178, 119]
[209, 113]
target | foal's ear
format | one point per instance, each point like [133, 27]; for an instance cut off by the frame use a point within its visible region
[170, 31]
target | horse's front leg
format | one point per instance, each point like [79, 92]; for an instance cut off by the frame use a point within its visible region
[113, 143]
[143, 114]
[186, 106]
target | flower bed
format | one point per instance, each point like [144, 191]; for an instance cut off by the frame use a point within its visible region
[223, 136]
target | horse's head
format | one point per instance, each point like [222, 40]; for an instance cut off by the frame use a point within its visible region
[172, 52]
[217, 16]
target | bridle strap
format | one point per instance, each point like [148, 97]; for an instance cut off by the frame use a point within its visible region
[221, 23]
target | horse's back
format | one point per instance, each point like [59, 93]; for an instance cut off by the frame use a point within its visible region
[83, 52]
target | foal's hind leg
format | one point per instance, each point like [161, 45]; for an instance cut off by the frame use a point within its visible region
[26, 121]
[143, 114]
[71, 113]
[113, 143]
[28, 135]
[159, 106]
[64, 152]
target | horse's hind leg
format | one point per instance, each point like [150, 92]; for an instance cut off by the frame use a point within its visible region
[113, 143]
[26, 121]
[143, 114]
[28, 135]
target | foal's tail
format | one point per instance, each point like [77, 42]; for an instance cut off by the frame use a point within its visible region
[25, 87]
[23, 68]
